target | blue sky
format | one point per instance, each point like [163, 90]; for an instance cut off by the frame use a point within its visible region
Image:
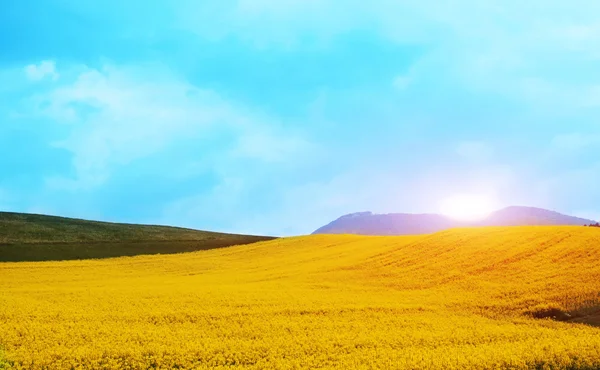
[275, 117]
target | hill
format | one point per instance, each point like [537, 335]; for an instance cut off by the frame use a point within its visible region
[29, 237]
[367, 223]
[479, 298]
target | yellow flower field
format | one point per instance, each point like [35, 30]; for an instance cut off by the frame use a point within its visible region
[454, 300]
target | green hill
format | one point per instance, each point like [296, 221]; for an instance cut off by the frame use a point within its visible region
[29, 237]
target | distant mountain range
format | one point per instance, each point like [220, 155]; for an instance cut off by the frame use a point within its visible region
[367, 223]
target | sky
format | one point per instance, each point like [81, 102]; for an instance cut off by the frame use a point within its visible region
[278, 116]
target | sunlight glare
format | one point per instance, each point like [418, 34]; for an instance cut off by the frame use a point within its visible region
[468, 207]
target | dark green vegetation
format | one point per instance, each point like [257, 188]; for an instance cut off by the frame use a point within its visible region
[27, 237]
[3, 363]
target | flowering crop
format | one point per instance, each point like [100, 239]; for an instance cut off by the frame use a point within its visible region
[458, 299]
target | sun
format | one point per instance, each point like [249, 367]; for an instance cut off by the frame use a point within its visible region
[468, 207]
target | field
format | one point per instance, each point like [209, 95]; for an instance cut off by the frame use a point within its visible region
[28, 237]
[459, 299]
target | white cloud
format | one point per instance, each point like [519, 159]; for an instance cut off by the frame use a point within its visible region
[120, 114]
[573, 188]
[298, 209]
[466, 21]
[211, 209]
[476, 151]
[575, 141]
[508, 47]
[271, 147]
[302, 207]
[269, 23]
[401, 82]
[45, 69]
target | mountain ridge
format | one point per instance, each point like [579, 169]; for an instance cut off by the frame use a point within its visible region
[369, 223]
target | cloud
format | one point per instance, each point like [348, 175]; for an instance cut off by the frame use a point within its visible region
[572, 189]
[45, 69]
[503, 47]
[118, 114]
[271, 147]
[475, 151]
[295, 209]
[301, 207]
[575, 141]
[469, 22]
[293, 23]
[509, 70]
[401, 82]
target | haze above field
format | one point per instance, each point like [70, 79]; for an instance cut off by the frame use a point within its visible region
[275, 117]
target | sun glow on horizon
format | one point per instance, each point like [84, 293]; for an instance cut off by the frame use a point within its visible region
[468, 207]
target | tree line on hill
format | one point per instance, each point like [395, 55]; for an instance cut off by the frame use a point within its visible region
[597, 224]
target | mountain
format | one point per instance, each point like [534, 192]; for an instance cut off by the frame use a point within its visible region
[30, 237]
[522, 216]
[367, 223]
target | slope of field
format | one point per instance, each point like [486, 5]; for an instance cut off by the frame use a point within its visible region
[458, 299]
[28, 237]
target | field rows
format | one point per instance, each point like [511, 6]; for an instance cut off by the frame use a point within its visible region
[454, 300]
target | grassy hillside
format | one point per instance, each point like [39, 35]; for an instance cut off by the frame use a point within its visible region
[28, 237]
[459, 299]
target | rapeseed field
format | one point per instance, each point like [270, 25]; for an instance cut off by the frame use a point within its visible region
[459, 299]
